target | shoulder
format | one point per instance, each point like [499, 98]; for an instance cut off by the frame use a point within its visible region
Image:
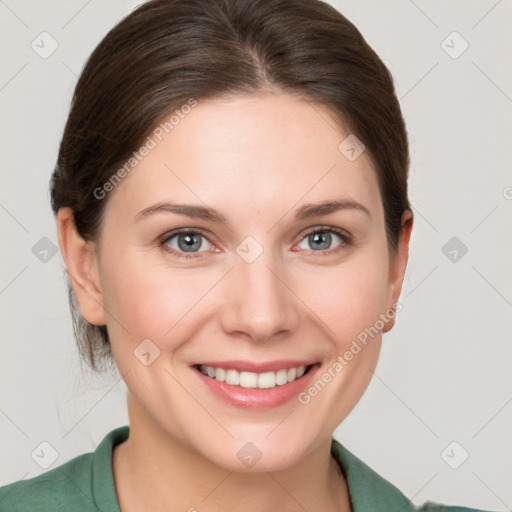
[370, 491]
[84, 484]
[67, 487]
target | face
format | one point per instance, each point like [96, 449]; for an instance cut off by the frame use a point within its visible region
[215, 253]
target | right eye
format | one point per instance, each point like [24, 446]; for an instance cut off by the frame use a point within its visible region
[185, 243]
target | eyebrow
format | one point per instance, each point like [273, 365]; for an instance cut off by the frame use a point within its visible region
[313, 210]
[306, 211]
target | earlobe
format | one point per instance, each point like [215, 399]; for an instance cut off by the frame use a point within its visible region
[399, 264]
[82, 266]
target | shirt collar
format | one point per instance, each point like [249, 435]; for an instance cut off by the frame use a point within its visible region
[368, 490]
[103, 488]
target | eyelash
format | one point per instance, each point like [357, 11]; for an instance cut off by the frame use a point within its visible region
[346, 240]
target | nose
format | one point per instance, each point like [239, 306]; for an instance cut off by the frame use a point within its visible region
[259, 303]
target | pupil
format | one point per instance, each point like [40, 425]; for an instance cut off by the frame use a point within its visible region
[323, 240]
[186, 242]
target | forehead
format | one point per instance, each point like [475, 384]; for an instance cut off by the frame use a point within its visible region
[248, 154]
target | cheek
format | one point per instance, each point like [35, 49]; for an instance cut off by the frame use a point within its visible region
[349, 299]
[152, 301]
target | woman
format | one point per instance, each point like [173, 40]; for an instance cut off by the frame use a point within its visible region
[231, 204]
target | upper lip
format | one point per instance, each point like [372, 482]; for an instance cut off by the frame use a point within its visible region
[251, 366]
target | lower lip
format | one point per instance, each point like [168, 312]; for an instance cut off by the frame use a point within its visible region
[256, 398]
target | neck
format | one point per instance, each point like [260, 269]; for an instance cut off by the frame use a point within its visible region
[155, 471]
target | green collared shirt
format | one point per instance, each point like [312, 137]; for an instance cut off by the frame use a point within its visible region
[86, 484]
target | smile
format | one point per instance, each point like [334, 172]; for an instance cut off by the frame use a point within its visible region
[246, 379]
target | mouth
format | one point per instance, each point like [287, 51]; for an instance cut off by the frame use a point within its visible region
[256, 386]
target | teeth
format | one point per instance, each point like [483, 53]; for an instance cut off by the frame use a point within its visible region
[248, 380]
[220, 374]
[264, 380]
[281, 377]
[232, 377]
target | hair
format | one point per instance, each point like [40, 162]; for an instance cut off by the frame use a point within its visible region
[168, 51]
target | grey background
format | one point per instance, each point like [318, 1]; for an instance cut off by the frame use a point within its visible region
[444, 373]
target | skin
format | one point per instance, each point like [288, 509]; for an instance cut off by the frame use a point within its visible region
[255, 159]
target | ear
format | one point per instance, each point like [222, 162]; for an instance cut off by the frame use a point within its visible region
[398, 264]
[82, 266]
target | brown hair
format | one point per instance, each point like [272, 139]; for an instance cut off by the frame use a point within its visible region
[169, 51]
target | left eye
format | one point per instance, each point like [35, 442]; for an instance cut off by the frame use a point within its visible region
[321, 240]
